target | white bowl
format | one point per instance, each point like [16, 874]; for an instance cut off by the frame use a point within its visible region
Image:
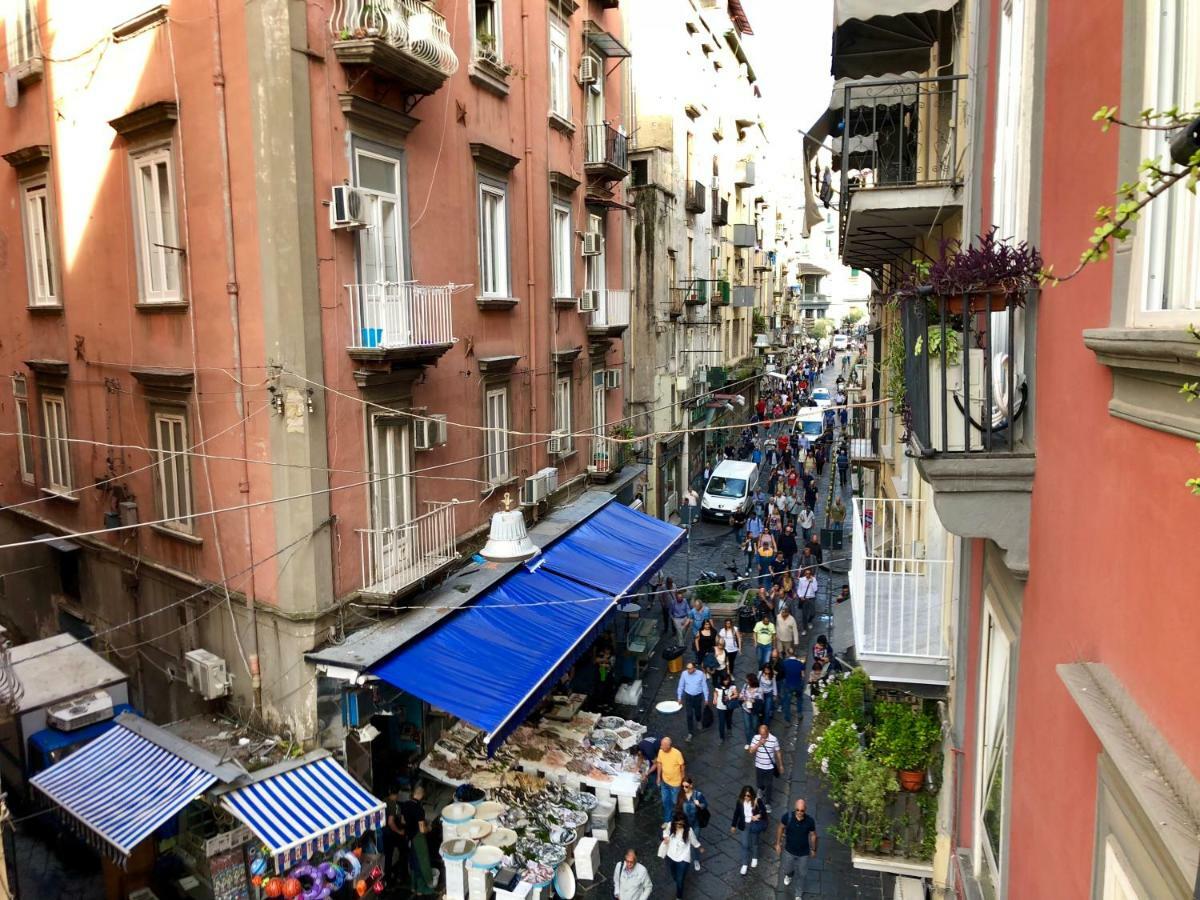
[476, 829]
[487, 858]
[489, 810]
[669, 706]
[457, 813]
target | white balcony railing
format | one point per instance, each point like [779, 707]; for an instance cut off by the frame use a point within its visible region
[394, 316]
[897, 592]
[613, 309]
[409, 25]
[395, 558]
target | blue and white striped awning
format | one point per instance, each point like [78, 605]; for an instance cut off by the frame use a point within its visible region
[305, 809]
[119, 788]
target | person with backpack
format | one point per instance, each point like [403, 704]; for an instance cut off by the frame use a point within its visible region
[693, 806]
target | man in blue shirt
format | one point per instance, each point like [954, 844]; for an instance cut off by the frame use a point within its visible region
[792, 682]
[796, 840]
[693, 694]
[699, 614]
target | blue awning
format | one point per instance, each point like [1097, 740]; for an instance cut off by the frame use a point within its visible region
[616, 550]
[121, 787]
[303, 810]
[491, 663]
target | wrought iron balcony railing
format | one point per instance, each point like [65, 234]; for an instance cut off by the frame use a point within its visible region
[412, 27]
[606, 148]
[396, 558]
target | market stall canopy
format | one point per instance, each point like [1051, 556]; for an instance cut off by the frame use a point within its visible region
[126, 783]
[877, 37]
[300, 808]
[491, 663]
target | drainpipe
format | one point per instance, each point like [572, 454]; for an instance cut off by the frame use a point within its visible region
[231, 289]
[534, 444]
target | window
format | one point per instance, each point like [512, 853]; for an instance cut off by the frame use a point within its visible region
[1167, 280]
[391, 497]
[22, 31]
[172, 470]
[39, 247]
[24, 428]
[990, 774]
[1117, 883]
[562, 412]
[561, 237]
[380, 244]
[560, 70]
[157, 234]
[599, 417]
[487, 30]
[595, 273]
[58, 448]
[493, 240]
[595, 101]
[496, 410]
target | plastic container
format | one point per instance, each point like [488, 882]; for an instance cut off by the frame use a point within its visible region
[458, 813]
[486, 857]
[458, 848]
[564, 881]
[476, 829]
[504, 838]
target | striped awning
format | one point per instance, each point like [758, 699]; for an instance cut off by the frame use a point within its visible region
[301, 810]
[119, 788]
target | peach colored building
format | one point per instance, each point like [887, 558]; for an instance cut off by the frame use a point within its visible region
[294, 293]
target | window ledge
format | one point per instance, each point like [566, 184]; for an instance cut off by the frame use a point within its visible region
[38, 308]
[193, 539]
[29, 71]
[566, 302]
[61, 495]
[560, 123]
[161, 305]
[490, 76]
[1148, 365]
[494, 486]
[496, 302]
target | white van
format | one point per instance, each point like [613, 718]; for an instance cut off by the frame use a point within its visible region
[811, 421]
[841, 341]
[730, 490]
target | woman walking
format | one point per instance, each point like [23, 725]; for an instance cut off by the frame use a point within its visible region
[693, 806]
[725, 698]
[705, 643]
[752, 704]
[749, 821]
[729, 636]
[769, 691]
[677, 847]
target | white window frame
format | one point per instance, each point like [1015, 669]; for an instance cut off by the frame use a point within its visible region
[560, 69]
[496, 418]
[372, 237]
[171, 442]
[595, 270]
[20, 389]
[995, 681]
[493, 240]
[1172, 222]
[562, 244]
[57, 436]
[21, 32]
[41, 249]
[564, 388]
[168, 263]
[389, 445]
[497, 30]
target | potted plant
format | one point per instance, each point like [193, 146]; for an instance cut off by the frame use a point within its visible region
[904, 739]
[833, 752]
[864, 822]
[995, 270]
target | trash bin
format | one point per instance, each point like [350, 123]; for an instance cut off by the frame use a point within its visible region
[674, 657]
[831, 538]
[745, 619]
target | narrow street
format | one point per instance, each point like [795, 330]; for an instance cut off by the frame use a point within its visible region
[722, 768]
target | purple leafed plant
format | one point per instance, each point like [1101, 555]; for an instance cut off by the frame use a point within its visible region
[988, 266]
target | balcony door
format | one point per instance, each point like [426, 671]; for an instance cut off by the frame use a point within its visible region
[596, 273]
[381, 294]
[391, 496]
[599, 416]
[594, 103]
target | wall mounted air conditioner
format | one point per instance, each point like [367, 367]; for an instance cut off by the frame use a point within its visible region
[206, 674]
[593, 243]
[589, 70]
[588, 301]
[557, 443]
[534, 490]
[429, 432]
[346, 208]
[550, 473]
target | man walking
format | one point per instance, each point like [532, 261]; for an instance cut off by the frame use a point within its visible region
[670, 769]
[806, 592]
[796, 840]
[787, 631]
[791, 682]
[764, 639]
[768, 763]
[693, 694]
[806, 520]
[631, 881]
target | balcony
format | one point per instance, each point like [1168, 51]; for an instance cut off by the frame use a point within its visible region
[402, 41]
[400, 322]
[720, 209]
[607, 153]
[967, 407]
[610, 318]
[395, 559]
[745, 174]
[722, 293]
[607, 458]
[813, 301]
[898, 591]
[744, 296]
[745, 235]
[695, 200]
[900, 161]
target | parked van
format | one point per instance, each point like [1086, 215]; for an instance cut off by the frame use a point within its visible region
[730, 490]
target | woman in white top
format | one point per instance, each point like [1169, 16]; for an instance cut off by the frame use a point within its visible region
[769, 692]
[732, 641]
[749, 818]
[677, 845]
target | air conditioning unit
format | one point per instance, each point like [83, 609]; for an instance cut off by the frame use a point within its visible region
[346, 208]
[534, 490]
[588, 301]
[551, 475]
[79, 712]
[715, 251]
[556, 444]
[206, 674]
[593, 243]
[681, 383]
[589, 70]
[612, 379]
[429, 432]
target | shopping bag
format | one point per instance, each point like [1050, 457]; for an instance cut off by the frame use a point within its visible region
[706, 717]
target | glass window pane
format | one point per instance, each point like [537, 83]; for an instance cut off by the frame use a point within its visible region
[376, 174]
[151, 229]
